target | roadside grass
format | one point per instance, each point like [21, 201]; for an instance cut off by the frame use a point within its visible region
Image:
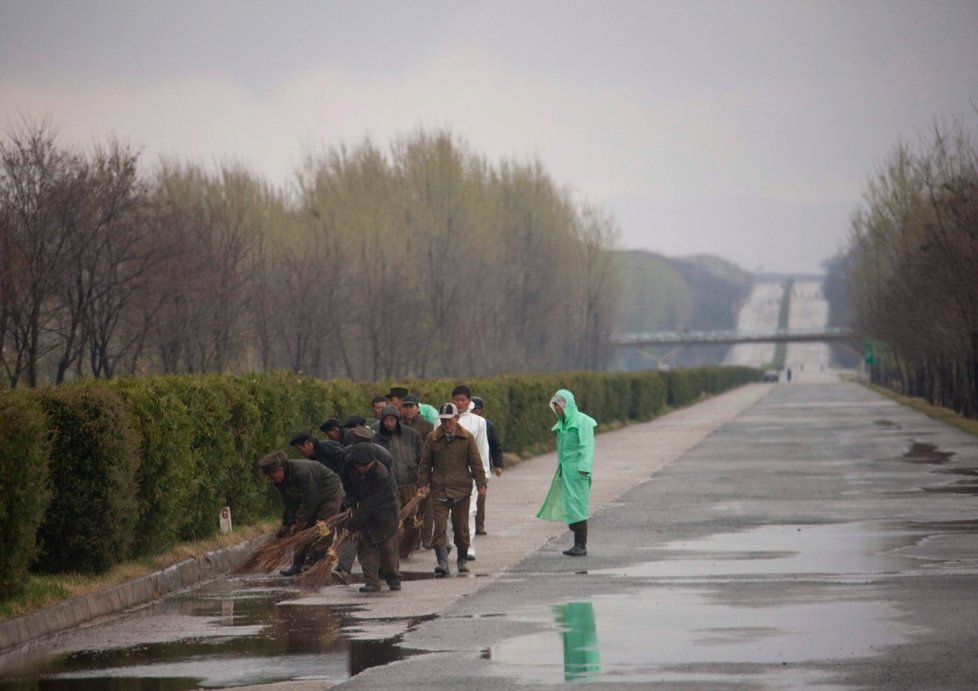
[944, 415]
[46, 590]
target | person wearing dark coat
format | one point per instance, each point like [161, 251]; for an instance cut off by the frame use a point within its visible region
[495, 457]
[371, 495]
[326, 451]
[361, 434]
[411, 417]
[311, 492]
[404, 446]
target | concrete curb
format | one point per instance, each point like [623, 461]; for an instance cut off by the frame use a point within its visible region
[85, 609]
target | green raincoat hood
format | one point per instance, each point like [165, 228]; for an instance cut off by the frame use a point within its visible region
[572, 416]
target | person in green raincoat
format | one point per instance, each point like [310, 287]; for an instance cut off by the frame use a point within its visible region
[568, 500]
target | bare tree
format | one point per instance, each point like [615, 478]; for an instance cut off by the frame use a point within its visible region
[41, 193]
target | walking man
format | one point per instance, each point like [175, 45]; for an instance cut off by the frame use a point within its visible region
[495, 456]
[411, 417]
[568, 500]
[462, 398]
[450, 462]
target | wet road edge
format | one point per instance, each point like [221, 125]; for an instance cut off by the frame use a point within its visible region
[94, 607]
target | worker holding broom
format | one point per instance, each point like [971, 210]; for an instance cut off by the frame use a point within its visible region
[371, 494]
[311, 492]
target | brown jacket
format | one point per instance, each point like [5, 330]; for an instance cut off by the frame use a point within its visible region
[449, 467]
[419, 425]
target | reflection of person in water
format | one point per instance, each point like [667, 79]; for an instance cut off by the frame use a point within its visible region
[581, 659]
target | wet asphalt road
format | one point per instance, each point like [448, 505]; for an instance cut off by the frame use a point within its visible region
[811, 534]
[826, 537]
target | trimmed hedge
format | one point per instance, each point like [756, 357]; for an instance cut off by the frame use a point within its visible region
[91, 520]
[139, 464]
[24, 492]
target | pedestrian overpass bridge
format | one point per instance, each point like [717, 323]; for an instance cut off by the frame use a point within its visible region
[676, 338]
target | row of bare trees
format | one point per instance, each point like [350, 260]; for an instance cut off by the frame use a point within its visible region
[421, 259]
[913, 269]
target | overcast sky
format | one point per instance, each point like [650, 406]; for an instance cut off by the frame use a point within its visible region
[742, 129]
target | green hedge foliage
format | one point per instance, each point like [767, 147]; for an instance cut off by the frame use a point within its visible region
[139, 464]
[91, 520]
[24, 492]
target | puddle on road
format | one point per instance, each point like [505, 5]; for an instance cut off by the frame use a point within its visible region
[854, 550]
[922, 452]
[677, 635]
[229, 633]
[683, 625]
[887, 424]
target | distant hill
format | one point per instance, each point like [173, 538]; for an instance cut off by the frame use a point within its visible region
[701, 292]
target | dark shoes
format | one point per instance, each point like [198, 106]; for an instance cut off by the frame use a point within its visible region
[441, 569]
[481, 532]
[370, 588]
[343, 577]
[576, 551]
[394, 585]
[462, 567]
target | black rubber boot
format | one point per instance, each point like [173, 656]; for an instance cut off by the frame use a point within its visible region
[580, 540]
[441, 569]
[297, 564]
[462, 567]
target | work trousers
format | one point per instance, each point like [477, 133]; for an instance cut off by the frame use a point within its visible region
[459, 511]
[378, 560]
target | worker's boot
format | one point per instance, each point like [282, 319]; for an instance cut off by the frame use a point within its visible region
[441, 554]
[297, 564]
[462, 567]
[580, 540]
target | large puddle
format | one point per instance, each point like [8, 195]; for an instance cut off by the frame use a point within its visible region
[228, 633]
[741, 601]
[677, 635]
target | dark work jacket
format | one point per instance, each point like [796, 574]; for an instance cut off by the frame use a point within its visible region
[306, 485]
[495, 446]
[328, 452]
[404, 446]
[374, 500]
[419, 425]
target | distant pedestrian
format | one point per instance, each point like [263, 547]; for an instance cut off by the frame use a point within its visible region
[377, 404]
[327, 451]
[449, 464]
[404, 446]
[568, 500]
[411, 417]
[462, 398]
[333, 430]
[495, 457]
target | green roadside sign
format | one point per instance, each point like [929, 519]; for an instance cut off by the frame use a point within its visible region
[869, 353]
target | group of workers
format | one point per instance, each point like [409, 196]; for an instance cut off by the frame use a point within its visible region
[441, 459]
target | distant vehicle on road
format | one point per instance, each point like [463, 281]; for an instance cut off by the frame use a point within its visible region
[770, 375]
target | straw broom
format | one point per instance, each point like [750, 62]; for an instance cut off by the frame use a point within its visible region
[406, 529]
[270, 554]
[318, 575]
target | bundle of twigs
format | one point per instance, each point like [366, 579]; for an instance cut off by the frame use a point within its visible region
[270, 554]
[409, 521]
[318, 575]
